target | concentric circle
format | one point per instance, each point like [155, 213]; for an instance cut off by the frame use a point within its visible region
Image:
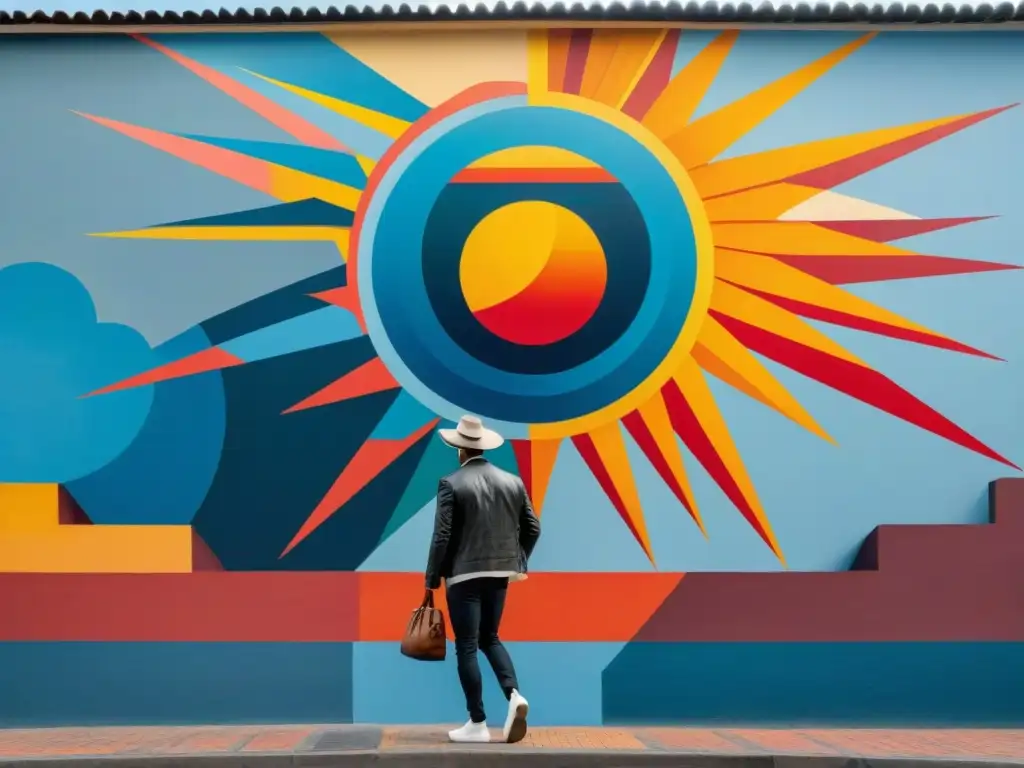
[524, 297]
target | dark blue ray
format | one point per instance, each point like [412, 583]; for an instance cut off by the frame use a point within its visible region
[301, 213]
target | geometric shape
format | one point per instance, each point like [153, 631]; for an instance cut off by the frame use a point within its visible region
[654, 79]
[847, 270]
[98, 549]
[367, 379]
[318, 328]
[372, 458]
[300, 213]
[157, 683]
[534, 284]
[547, 607]
[29, 507]
[886, 230]
[203, 558]
[536, 461]
[204, 361]
[203, 606]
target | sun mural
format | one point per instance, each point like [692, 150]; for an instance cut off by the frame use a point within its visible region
[568, 258]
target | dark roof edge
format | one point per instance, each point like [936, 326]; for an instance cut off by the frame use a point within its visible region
[781, 15]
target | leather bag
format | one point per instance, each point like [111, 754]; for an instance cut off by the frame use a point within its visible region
[424, 638]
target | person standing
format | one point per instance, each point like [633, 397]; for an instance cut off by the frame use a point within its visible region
[484, 533]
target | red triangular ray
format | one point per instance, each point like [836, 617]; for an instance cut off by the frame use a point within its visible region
[846, 320]
[576, 62]
[212, 359]
[654, 79]
[687, 426]
[846, 270]
[857, 381]
[886, 230]
[372, 458]
[585, 445]
[842, 171]
[370, 377]
[345, 297]
[636, 427]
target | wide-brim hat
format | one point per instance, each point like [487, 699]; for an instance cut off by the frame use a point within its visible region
[471, 433]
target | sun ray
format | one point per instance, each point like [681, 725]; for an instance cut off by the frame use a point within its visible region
[765, 203]
[706, 138]
[846, 270]
[698, 421]
[653, 78]
[604, 451]
[327, 325]
[719, 353]
[559, 41]
[816, 299]
[887, 230]
[796, 238]
[847, 157]
[536, 461]
[372, 376]
[373, 457]
[651, 428]
[295, 126]
[673, 108]
[633, 53]
[857, 380]
[576, 60]
[603, 44]
[536, 63]
[382, 123]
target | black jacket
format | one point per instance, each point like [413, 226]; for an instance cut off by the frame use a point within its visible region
[484, 522]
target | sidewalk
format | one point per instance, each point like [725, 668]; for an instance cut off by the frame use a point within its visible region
[357, 745]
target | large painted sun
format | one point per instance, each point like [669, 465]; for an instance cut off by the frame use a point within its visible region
[569, 258]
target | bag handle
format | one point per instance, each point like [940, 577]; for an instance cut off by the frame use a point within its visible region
[428, 599]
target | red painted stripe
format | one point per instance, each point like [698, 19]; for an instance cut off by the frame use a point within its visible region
[832, 175]
[847, 270]
[835, 317]
[579, 48]
[887, 230]
[588, 451]
[202, 606]
[687, 426]
[858, 382]
[654, 79]
[637, 428]
[212, 359]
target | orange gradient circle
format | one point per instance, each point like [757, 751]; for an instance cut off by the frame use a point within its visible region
[533, 272]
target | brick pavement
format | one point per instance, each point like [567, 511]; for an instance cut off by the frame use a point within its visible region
[999, 746]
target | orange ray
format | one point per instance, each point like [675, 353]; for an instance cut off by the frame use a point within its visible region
[709, 136]
[651, 428]
[204, 361]
[370, 377]
[808, 296]
[634, 51]
[604, 451]
[672, 110]
[536, 460]
[699, 423]
[345, 297]
[372, 458]
[558, 57]
[730, 301]
[858, 153]
[797, 238]
[719, 353]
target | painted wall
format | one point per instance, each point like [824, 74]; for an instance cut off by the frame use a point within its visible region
[735, 300]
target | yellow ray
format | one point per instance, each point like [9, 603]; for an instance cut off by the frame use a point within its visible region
[609, 445]
[371, 118]
[675, 105]
[654, 414]
[536, 63]
[719, 353]
[543, 454]
[694, 387]
[748, 171]
[291, 185]
[734, 302]
[707, 137]
[763, 273]
[766, 203]
[337, 235]
[797, 238]
[633, 54]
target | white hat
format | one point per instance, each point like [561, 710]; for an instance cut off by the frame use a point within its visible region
[471, 433]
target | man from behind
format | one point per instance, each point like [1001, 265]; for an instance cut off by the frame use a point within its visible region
[484, 533]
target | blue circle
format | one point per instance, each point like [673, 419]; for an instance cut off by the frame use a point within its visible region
[407, 333]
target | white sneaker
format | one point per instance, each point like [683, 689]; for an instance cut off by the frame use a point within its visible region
[515, 723]
[471, 733]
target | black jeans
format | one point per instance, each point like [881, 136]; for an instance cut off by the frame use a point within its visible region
[475, 608]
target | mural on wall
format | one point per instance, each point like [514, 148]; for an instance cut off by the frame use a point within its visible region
[561, 238]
